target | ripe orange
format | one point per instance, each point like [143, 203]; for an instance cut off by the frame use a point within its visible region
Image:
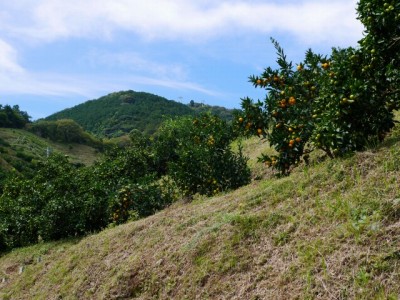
[325, 66]
[298, 140]
[259, 131]
[240, 119]
[292, 101]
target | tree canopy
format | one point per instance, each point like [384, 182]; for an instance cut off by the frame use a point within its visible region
[13, 117]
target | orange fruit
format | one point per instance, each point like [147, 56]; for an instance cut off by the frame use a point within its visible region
[325, 66]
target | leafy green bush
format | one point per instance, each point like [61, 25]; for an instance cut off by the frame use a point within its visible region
[140, 199]
[196, 154]
[339, 103]
[41, 206]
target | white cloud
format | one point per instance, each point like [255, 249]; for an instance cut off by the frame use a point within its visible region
[8, 59]
[173, 84]
[310, 21]
[136, 62]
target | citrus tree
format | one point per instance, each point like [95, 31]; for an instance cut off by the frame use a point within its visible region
[337, 103]
[196, 153]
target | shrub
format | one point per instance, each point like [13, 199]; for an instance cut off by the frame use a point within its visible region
[196, 154]
[137, 200]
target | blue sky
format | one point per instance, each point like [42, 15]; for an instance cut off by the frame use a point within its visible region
[55, 54]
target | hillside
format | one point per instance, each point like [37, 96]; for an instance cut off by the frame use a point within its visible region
[329, 231]
[118, 113]
[20, 150]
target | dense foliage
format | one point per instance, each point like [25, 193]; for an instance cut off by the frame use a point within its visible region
[64, 200]
[13, 117]
[196, 153]
[337, 103]
[187, 156]
[119, 113]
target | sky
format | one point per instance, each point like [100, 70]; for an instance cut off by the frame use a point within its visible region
[55, 54]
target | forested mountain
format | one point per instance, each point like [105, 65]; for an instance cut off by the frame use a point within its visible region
[118, 113]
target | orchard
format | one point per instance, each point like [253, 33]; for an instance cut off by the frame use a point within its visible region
[338, 103]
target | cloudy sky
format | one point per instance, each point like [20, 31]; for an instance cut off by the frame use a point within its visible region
[55, 54]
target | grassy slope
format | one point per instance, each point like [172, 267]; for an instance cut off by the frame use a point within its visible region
[329, 231]
[21, 141]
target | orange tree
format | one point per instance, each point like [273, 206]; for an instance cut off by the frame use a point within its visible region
[196, 153]
[339, 103]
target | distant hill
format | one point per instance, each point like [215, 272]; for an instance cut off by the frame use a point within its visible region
[116, 114]
[21, 150]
